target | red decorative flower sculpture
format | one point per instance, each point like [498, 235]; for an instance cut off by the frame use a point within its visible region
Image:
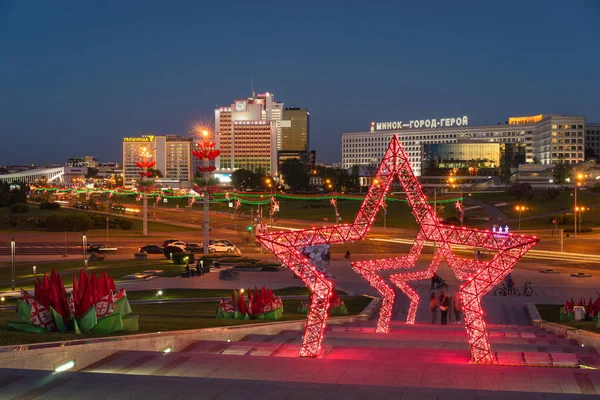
[206, 150]
[145, 164]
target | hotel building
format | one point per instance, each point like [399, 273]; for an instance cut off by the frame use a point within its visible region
[547, 138]
[248, 133]
[172, 154]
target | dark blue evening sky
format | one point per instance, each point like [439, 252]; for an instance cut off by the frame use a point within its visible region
[78, 76]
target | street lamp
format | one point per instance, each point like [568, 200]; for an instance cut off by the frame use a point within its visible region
[84, 242]
[205, 153]
[272, 211]
[580, 210]
[520, 209]
[578, 182]
[144, 184]
[459, 205]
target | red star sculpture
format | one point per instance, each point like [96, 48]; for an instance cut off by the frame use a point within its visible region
[480, 277]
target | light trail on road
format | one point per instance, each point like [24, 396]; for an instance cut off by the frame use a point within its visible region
[536, 254]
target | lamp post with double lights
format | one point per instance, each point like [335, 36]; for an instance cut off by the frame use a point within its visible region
[520, 209]
[579, 210]
[459, 204]
[579, 180]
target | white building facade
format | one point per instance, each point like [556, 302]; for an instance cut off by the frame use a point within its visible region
[172, 153]
[547, 138]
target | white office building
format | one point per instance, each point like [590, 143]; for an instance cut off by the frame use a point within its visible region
[547, 138]
[172, 153]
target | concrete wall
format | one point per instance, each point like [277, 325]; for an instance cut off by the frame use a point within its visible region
[583, 337]
[45, 356]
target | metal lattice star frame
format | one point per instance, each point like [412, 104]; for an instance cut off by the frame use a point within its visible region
[481, 277]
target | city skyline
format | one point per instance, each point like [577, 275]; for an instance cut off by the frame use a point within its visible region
[81, 77]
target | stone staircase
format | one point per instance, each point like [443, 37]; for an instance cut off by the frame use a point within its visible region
[412, 361]
[404, 345]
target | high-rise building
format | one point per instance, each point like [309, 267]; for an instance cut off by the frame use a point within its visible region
[246, 133]
[172, 154]
[295, 129]
[592, 137]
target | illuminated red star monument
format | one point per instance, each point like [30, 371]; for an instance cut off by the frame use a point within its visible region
[479, 277]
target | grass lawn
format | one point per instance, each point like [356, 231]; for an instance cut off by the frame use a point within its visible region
[171, 294]
[116, 269]
[399, 214]
[164, 317]
[35, 211]
[551, 313]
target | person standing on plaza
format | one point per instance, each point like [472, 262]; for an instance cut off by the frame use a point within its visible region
[433, 307]
[457, 306]
[444, 305]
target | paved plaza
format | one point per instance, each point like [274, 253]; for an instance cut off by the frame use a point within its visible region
[423, 361]
[420, 361]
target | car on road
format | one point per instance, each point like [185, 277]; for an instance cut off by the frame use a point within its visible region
[194, 247]
[223, 241]
[221, 247]
[151, 249]
[99, 248]
[179, 244]
[81, 205]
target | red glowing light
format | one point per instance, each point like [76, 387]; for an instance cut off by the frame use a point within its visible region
[480, 277]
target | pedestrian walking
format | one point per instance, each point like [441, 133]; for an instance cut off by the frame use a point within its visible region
[444, 306]
[457, 306]
[433, 307]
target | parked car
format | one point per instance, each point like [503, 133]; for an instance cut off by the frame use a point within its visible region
[178, 243]
[151, 249]
[194, 247]
[223, 241]
[221, 247]
[169, 241]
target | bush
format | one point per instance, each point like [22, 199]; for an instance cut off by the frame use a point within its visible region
[579, 230]
[562, 219]
[49, 206]
[183, 258]
[19, 208]
[521, 191]
[126, 224]
[167, 251]
[68, 222]
[550, 193]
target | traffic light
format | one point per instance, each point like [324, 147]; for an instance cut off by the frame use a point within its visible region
[249, 228]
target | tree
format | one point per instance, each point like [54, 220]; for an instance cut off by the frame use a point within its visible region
[156, 173]
[241, 177]
[92, 172]
[505, 175]
[561, 171]
[295, 174]
[355, 176]
[536, 160]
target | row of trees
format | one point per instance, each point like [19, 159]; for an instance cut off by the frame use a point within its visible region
[296, 175]
[12, 194]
